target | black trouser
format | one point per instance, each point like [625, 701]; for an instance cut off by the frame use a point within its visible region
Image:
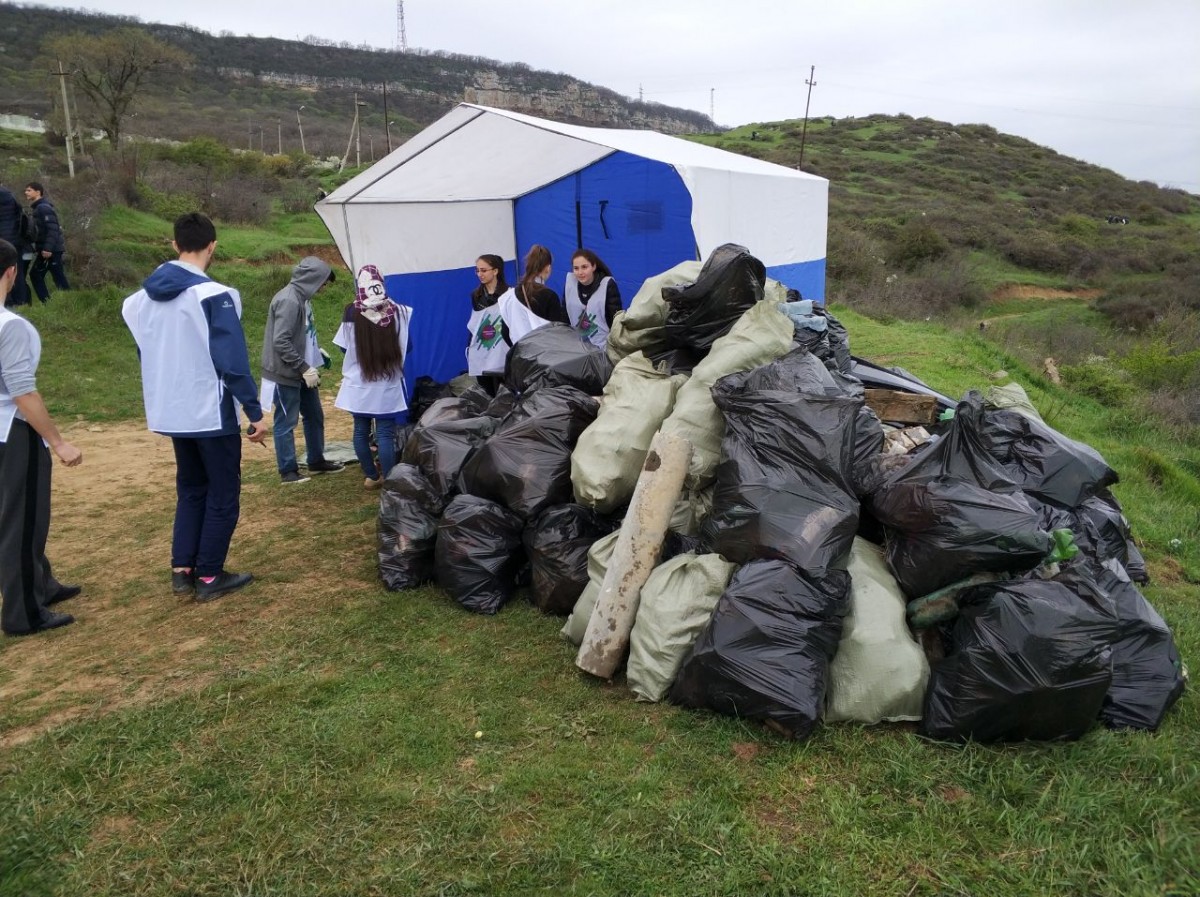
[25, 578]
[20, 290]
[37, 274]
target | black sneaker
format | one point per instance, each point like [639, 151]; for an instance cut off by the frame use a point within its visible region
[324, 466]
[292, 476]
[224, 583]
[183, 583]
[63, 593]
[49, 620]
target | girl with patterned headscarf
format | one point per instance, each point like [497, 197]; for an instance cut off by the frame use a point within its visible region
[375, 337]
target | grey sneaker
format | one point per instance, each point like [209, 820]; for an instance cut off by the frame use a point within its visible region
[183, 583]
[324, 466]
[293, 476]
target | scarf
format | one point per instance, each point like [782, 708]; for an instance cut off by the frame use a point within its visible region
[371, 298]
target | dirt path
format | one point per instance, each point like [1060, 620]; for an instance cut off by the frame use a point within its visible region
[133, 641]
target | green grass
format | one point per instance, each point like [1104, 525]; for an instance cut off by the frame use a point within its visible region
[332, 749]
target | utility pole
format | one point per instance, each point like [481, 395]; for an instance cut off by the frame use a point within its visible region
[78, 120]
[811, 82]
[353, 131]
[279, 130]
[712, 92]
[300, 127]
[641, 96]
[249, 133]
[387, 130]
[62, 81]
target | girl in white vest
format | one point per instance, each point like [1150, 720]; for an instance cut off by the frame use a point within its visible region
[486, 346]
[592, 297]
[531, 304]
[375, 337]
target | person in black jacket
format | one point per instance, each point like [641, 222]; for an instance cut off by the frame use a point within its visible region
[50, 244]
[10, 230]
[531, 304]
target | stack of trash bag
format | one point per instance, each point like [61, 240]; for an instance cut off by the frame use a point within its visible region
[979, 580]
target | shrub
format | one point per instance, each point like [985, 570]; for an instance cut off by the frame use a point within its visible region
[918, 242]
[1100, 379]
[1155, 364]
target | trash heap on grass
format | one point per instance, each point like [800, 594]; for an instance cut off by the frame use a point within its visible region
[717, 506]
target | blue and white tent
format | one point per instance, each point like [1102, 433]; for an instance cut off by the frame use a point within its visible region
[483, 180]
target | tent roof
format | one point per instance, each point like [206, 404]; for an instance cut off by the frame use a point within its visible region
[484, 153]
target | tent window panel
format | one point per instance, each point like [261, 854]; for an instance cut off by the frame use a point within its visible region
[646, 217]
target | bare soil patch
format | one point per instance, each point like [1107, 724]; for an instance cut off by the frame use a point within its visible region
[1028, 291]
[134, 642]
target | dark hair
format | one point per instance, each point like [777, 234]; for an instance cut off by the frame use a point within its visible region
[493, 261]
[8, 256]
[536, 261]
[194, 231]
[36, 185]
[601, 268]
[378, 348]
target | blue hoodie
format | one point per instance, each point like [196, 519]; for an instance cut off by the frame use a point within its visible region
[188, 330]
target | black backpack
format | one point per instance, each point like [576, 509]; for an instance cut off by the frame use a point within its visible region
[29, 228]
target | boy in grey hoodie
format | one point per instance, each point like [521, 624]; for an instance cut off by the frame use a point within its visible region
[290, 359]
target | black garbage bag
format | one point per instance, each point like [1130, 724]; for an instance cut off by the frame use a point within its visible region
[426, 391]
[766, 650]
[868, 443]
[478, 555]
[1147, 674]
[403, 433]
[526, 464]
[730, 282]
[784, 485]
[441, 449]
[1104, 533]
[830, 344]
[554, 355]
[409, 510]
[502, 403]
[1029, 660]
[1043, 462]
[952, 510]
[557, 544]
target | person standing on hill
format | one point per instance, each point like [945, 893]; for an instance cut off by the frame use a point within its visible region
[290, 358]
[531, 304]
[11, 219]
[375, 337]
[27, 587]
[195, 367]
[50, 245]
[486, 346]
[592, 297]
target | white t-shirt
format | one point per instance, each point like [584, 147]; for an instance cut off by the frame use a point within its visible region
[374, 397]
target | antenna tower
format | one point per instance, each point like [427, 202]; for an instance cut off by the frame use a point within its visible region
[401, 34]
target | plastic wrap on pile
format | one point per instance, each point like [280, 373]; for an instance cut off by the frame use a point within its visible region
[441, 449]
[554, 355]
[700, 313]
[526, 464]
[1028, 660]
[784, 486]
[639, 328]
[478, 553]
[557, 545]
[1147, 673]
[765, 653]
[1043, 462]
[409, 510]
[1101, 532]
[761, 335]
[608, 456]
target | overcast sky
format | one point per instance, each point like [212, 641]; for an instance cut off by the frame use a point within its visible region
[1112, 82]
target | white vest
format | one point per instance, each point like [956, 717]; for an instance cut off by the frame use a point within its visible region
[487, 350]
[8, 408]
[589, 319]
[373, 397]
[519, 319]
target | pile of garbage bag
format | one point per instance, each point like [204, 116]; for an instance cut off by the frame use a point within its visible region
[975, 577]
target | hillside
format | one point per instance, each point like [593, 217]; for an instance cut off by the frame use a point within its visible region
[247, 90]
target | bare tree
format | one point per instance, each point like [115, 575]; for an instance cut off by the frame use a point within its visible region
[110, 69]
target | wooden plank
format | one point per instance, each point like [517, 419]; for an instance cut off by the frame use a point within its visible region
[902, 407]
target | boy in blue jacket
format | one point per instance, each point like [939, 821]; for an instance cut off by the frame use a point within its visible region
[188, 330]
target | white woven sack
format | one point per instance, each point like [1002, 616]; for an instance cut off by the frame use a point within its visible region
[599, 555]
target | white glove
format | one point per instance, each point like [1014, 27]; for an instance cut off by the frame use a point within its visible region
[311, 378]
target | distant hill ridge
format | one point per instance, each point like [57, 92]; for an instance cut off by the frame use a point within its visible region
[239, 84]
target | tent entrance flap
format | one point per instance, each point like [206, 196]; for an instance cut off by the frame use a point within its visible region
[634, 213]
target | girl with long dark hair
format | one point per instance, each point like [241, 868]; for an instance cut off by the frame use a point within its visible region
[375, 337]
[531, 304]
[592, 297]
[487, 346]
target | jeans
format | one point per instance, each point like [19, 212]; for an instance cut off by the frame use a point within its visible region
[37, 274]
[385, 439]
[208, 486]
[291, 404]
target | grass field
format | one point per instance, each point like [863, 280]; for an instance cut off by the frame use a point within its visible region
[318, 735]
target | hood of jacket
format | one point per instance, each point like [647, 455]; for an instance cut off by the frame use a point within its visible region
[309, 275]
[169, 280]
